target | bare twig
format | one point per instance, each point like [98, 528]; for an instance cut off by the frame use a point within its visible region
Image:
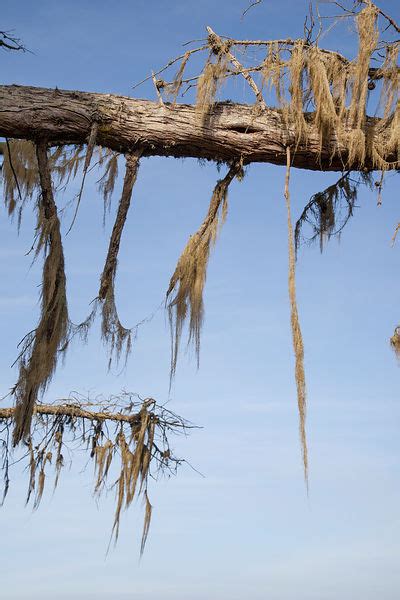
[169, 64]
[252, 4]
[388, 18]
[352, 12]
[9, 42]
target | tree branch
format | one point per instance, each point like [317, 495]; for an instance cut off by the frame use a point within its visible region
[9, 42]
[251, 5]
[67, 408]
[231, 131]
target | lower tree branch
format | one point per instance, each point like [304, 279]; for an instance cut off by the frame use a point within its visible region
[66, 409]
[126, 437]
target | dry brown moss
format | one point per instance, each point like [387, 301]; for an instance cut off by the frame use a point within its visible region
[21, 180]
[295, 326]
[296, 108]
[272, 71]
[302, 75]
[39, 354]
[388, 131]
[395, 342]
[187, 282]
[325, 116]
[20, 173]
[113, 332]
[368, 38]
[209, 82]
[174, 88]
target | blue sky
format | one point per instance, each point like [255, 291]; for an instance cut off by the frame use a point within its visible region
[247, 528]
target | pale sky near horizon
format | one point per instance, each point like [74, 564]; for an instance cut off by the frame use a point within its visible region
[247, 528]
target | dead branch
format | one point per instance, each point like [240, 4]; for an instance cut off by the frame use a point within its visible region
[251, 5]
[10, 42]
[126, 437]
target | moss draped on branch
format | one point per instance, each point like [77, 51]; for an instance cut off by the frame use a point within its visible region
[125, 437]
[310, 111]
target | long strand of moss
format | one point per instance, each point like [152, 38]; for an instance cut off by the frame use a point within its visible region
[295, 325]
[113, 332]
[190, 273]
[40, 351]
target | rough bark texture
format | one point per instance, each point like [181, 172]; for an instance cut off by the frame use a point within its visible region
[229, 132]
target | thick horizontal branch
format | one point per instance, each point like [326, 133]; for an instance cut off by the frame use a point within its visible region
[230, 131]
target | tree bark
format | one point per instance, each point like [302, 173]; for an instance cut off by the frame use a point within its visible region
[230, 131]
